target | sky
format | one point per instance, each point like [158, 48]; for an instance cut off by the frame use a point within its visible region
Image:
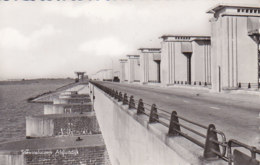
[52, 39]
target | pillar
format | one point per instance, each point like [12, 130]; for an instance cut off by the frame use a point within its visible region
[150, 64]
[234, 51]
[123, 70]
[134, 68]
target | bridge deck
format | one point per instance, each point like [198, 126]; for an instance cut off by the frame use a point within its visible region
[236, 115]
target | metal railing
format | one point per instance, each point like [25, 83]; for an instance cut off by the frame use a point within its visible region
[180, 126]
[248, 85]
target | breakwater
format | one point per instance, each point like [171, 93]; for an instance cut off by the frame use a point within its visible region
[66, 133]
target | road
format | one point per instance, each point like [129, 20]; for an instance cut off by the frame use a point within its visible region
[237, 116]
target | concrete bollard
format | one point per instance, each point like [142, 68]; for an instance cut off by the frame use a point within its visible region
[174, 124]
[239, 85]
[131, 102]
[120, 97]
[210, 144]
[153, 115]
[125, 99]
[140, 108]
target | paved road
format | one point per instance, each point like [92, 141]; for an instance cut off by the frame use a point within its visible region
[236, 115]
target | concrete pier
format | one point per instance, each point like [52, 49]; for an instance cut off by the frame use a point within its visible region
[185, 60]
[89, 150]
[134, 68]
[67, 133]
[234, 31]
[71, 100]
[150, 60]
[123, 70]
[67, 108]
[61, 125]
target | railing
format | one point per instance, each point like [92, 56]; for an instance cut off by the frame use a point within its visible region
[248, 85]
[180, 126]
[200, 83]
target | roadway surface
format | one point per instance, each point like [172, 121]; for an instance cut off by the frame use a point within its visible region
[237, 115]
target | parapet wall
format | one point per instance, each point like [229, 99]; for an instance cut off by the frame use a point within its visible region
[61, 125]
[67, 108]
[83, 153]
[131, 140]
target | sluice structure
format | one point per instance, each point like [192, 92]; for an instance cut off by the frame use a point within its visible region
[235, 46]
[67, 132]
[228, 59]
[185, 60]
[133, 65]
[124, 70]
[150, 61]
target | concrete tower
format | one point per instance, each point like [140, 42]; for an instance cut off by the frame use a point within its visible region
[134, 68]
[150, 60]
[185, 60]
[235, 46]
[123, 70]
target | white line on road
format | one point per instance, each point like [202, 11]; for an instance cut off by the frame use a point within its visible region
[214, 107]
[185, 101]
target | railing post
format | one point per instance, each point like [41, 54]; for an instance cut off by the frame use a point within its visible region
[112, 93]
[125, 101]
[131, 102]
[174, 124]
[239, 85]
[116, 95]
[153, 115]
[210, 145]
[140, 108]
[120, 97]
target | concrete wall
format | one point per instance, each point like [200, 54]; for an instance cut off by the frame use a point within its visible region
[39, 127]
[134, 69]
[71, 156]
[71, 100]
[167, 72]
[149, 68]
[122, 71]
[174, 59]
[201, 62]
[55, 125]
[127, 71]
[66, 108]
[234, 52]
[131, 140]
[92, 155]
[11, 158]
[173, 63]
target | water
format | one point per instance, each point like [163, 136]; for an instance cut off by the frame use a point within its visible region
[14, 106]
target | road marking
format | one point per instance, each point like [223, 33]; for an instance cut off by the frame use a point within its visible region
[214, 107]
[185, 101]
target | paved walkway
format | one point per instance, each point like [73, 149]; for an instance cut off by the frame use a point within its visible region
[53, 143]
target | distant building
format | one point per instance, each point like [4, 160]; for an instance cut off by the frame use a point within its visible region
[133, 68]
[235, 46]
[123, 70]
[150, 60]
[185, 60]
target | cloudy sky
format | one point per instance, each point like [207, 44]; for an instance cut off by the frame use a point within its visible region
[54, 39]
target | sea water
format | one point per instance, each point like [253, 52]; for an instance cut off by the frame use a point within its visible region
[14, 106]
